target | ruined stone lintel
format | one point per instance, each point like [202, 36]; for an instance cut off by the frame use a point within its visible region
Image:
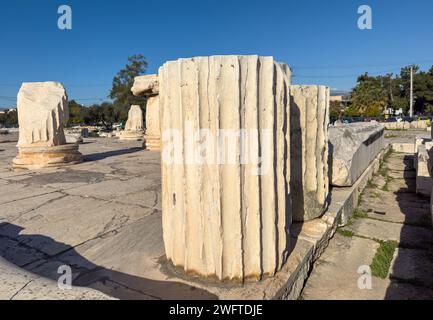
[147, 85]
[353, 147]
[309, 180]
[43, 112]
[134, 128]
[227, 221]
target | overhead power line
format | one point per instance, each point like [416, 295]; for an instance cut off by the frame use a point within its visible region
[79, 99]
[66, 84]
[384, 65]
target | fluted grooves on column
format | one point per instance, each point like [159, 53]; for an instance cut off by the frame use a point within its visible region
[222, 220]
[309, 157]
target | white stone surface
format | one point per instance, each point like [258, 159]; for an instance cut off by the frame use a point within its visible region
[403, 147]
[19, 284]
[352, 148]
[153, 128]
[74, 138]
[134, 128]
[309, 179]
[223, 220]
[147, 85]
[135, 119]
[42, 114]
[424, 182]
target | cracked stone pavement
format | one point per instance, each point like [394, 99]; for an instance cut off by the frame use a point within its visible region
[102, 218]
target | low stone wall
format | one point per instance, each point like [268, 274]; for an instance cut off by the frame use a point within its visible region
[352, 148]
[405, 125]
[423, 163]
[423, 179]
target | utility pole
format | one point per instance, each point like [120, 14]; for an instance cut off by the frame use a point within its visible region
[411, 92]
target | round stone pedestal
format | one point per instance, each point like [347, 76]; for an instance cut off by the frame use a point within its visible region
[132, 135]
[45, 157]
[152, 143]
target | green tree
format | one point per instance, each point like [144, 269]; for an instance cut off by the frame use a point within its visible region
[369, 97]
[123, 82]
[335, 110]
[9, 118]
[423, 92]
[104, 114]
[77, 112]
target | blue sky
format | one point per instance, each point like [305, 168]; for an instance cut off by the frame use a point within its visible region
[318, 39]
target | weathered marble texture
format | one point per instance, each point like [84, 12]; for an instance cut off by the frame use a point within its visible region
[420, 124]
[74, 138]
[149, 86]
[287, 71]
[134, 127]
[146, 85]
[309, 151]
[225, 220]
[405, 125]
[135, 119]
[152, 139]
[352, 148]
[42, 114]
[424, 182]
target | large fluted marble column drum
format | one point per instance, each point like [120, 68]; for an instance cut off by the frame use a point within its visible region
[309, 157]
[225, 165]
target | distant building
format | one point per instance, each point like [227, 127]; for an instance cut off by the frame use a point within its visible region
[340, 96]
[336, 98]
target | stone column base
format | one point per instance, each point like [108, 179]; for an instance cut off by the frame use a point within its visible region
[152, 143]
[131, 135]
[45, 157]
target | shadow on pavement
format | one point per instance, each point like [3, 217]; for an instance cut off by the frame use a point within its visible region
[411, 271]
[113, 153]
[85, 273]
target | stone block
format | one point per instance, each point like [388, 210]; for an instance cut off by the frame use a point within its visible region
[146, 85]
[352, 148]
[424, 182]
[74, 138]
[309, 119]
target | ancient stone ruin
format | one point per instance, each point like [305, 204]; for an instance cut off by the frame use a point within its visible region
[352, 148]
[148, 86]
[42, 115]
[406, 125]
[134, 128]
[309, 112]
[225, 167]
